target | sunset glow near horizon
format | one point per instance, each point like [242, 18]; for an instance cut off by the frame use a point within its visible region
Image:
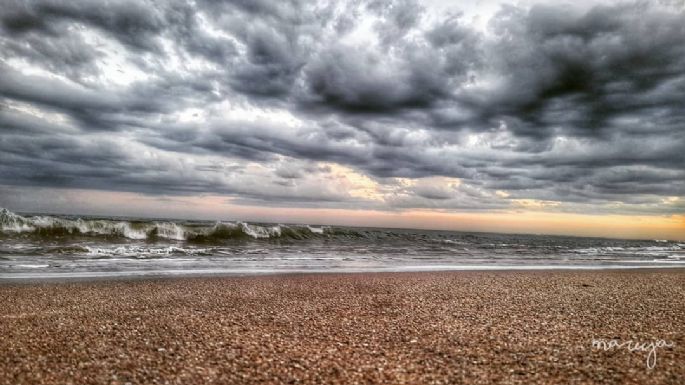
[500, 117]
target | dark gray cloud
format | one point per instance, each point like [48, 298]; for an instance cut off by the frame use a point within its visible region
[136, 24]
[350, 104]
[581, 72]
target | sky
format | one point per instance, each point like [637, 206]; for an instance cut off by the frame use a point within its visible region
[554, 117]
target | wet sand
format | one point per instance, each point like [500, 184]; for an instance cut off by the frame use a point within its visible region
[415, 328]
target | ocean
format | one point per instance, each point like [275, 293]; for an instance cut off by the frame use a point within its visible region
[34, 246]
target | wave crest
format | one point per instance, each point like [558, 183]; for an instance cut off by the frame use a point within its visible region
[53, 226]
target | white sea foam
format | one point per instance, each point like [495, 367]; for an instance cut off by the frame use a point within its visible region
[316, 230]
[170, 230]
[135, 251]
[260, 232]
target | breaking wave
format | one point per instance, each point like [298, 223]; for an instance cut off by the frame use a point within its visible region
[54, 226]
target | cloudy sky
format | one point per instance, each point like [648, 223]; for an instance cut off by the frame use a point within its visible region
[502, 116]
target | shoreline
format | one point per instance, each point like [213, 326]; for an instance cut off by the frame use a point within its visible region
[21, 278]
[404, 328]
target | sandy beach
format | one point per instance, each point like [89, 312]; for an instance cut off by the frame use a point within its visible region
[396, 328]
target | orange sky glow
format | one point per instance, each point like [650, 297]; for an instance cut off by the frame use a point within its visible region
[524, 220]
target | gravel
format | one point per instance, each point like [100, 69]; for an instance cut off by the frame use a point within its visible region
[516, 327]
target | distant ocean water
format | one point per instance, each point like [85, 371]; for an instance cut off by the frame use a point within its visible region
[43, 246]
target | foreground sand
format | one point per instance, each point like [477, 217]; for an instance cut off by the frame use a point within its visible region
[459, 327]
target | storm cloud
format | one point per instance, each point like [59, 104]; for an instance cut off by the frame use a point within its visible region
[386, 105]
